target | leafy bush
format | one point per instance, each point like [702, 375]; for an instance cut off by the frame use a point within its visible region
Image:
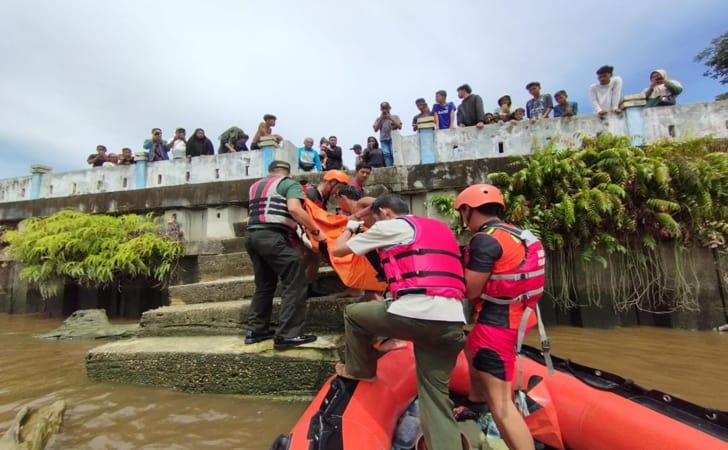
[94, 250]
[611, 201]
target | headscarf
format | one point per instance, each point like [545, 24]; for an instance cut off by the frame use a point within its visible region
[661, 90]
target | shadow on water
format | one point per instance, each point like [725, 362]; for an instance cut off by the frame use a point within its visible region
[687, 364]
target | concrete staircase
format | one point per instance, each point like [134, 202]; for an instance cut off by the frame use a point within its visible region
[196, 343]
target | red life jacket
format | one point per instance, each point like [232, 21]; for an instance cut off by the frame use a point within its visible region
[429, 265]
[267, 206]
[507, 293]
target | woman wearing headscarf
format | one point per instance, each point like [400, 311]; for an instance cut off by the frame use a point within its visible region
[662, 91]
[199, 144]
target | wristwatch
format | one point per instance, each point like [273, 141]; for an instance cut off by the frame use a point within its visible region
[316, 232]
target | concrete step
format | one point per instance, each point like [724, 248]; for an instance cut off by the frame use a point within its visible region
[229, 318]
[212, 267]
[240, 288]
[216, 364]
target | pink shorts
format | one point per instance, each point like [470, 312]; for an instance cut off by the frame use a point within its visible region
[493, 350]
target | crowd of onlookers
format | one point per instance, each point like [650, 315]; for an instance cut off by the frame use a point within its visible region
[605, 97]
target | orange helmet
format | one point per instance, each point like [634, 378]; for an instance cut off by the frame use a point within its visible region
[336, 175]
[478, 195]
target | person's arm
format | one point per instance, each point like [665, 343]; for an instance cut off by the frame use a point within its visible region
[414, 123]
[396, 123]
[593, 99]
[453, 120]
[675, 88]
[210, 147]
[317, 161]
[378, 124]
[479, 111]
[616, 94]
[437, 121]
[484, 252]
[474, 283]
[574, 109]
[340, 247]
[549, 107]
[301, 216]
[334, 153]
[230, 147]
[147, 144]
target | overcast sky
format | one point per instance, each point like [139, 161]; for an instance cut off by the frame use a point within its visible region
[80, 73]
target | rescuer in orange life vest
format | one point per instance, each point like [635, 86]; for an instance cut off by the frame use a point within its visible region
[333, 180]
[421, 260]
[504, 275]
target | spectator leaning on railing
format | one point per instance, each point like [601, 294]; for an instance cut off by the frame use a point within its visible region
[99, 158]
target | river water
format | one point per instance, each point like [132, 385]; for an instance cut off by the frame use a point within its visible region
[691, 365]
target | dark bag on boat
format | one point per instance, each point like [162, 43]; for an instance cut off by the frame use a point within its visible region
[324, 432]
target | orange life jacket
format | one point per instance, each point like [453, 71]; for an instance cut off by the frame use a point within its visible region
[510, 290]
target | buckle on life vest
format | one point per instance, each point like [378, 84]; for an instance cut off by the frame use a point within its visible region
[546, 346]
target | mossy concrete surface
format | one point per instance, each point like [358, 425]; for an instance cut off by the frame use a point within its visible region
[240, 288]
[211, 267]
[219, 364]
[229, 318]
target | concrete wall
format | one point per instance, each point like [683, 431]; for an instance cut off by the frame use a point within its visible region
[701, 119]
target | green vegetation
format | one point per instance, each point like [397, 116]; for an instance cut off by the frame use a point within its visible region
[716, 58]
[93, 250]
[637, 209]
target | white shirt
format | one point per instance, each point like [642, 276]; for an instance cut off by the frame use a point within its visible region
[606, 97]
[385, 233]
[179, 151]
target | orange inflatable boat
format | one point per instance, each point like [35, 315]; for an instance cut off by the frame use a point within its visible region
[587, 409]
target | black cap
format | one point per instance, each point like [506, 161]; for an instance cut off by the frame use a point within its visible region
[279, 165]
[356, 147]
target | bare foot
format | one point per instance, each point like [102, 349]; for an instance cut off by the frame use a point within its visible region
[350, 292]
[389, 344]
[341, 371]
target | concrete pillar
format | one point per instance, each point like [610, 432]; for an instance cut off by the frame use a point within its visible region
[267, 145]
[140, 170]
[633, 106]
[36, 177]
[426, 135]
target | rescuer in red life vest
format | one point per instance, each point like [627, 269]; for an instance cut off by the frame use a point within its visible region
[504, 275]
[421, 260]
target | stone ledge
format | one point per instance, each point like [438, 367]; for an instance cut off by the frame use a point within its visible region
[240, 288]
[222, 364]
[228, 318]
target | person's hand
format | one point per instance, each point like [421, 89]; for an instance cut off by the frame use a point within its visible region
[602, 113]
[354, 225]
[321, 237]
[617, 111]
[479, 125]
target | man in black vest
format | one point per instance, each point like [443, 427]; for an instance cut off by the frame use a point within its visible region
[275, 210]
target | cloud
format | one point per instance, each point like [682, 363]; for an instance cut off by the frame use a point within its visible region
[81, 73]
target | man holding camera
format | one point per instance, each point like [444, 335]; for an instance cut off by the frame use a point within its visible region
[157, 148]
[385, 123]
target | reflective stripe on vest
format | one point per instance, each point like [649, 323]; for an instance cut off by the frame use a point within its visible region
[429, 265]
[267, 206]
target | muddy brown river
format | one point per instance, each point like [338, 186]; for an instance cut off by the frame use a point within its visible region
[691, 365]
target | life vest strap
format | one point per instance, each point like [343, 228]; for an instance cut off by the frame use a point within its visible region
[427, 273]
[509, 301]
[422, 251]
[545, 350]
[518, 276]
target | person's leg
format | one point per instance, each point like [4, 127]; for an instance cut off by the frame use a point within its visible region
[261, 306]
[492, 356]
[285, 260]
[387, 151]
[435, 357]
